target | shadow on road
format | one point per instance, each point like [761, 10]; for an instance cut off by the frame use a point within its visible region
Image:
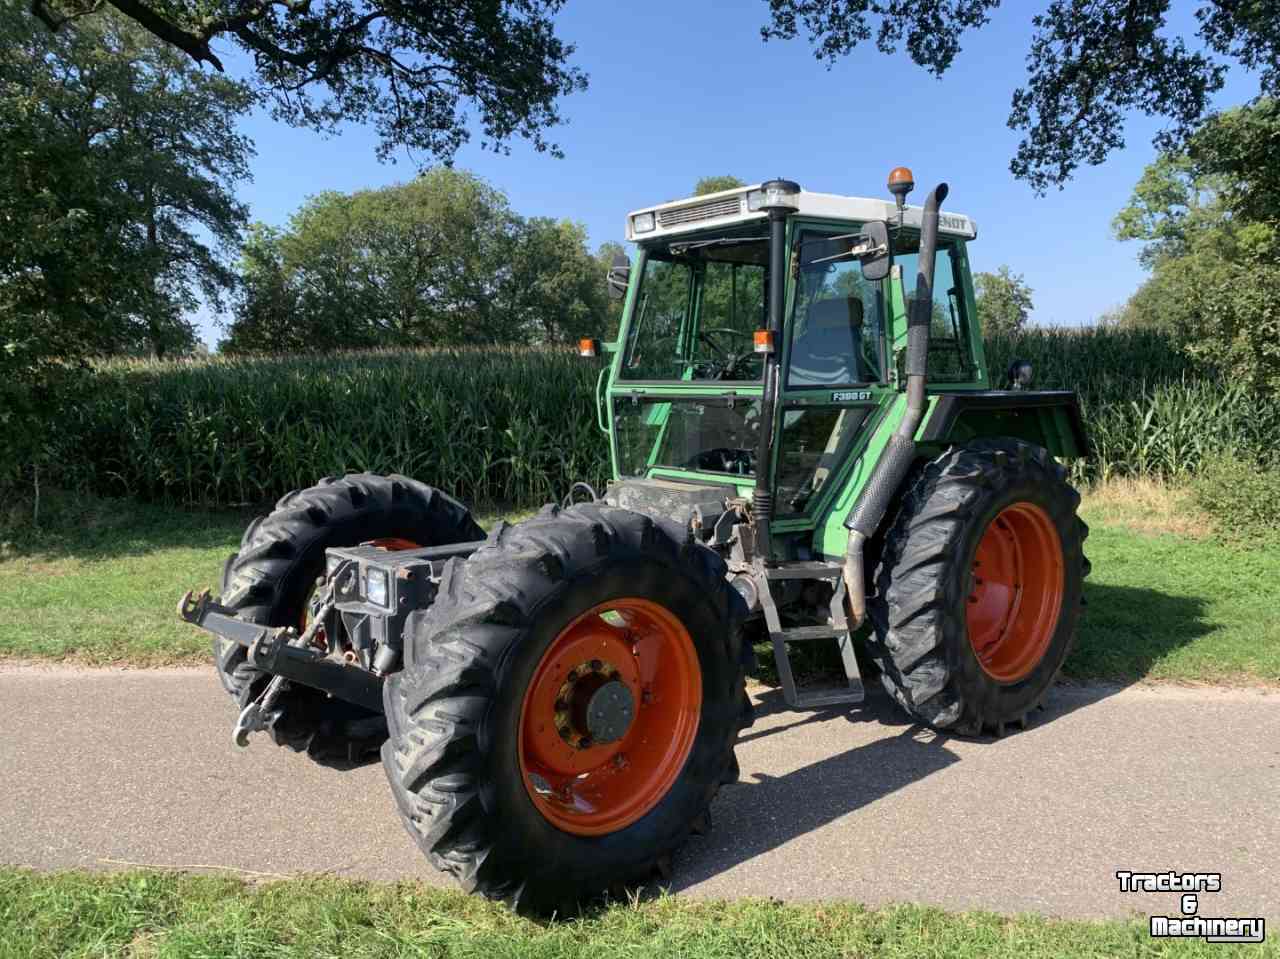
[763, 813]
[1124, 632]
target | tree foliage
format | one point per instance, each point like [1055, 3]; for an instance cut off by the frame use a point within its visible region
[1004, 301]
[714, 184]
[412, 70]
[117, 161]
[1090, 63]
[440, 260]
[1209, 220]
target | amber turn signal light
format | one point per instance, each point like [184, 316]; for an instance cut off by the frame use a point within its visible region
[588, 347]
[763, 340]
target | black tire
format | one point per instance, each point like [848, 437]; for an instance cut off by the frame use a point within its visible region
[280, 557]
[454, 711]
[920, 638]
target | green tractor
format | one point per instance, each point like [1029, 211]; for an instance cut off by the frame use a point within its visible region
[805, 439]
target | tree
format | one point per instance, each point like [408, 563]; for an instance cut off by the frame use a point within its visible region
[440, 260]
[714, 184]
[117, 156]
[1209, 221]
[1003, 299]
[1090, 63]
[554, 290]
[412, 70]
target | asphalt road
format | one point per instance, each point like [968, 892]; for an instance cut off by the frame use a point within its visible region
[104, 767]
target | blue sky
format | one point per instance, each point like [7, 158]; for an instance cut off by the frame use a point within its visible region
[683, 90]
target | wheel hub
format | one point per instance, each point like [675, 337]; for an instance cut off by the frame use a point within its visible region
[610, 711]
[594, 705]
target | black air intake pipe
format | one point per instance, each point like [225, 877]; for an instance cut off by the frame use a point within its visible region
[865, 517]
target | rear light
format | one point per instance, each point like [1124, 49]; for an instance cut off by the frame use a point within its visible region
[763, 340]
[588, 347]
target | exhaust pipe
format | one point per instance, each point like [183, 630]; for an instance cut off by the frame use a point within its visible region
[865, 517]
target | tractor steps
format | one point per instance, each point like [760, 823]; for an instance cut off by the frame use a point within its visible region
[837, 629]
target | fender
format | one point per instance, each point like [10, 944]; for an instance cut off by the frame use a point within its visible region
[1049, 418]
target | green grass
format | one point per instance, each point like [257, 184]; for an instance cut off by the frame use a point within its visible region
[99, 583]
[71, 915]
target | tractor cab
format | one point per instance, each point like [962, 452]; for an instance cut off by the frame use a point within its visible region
[706, 389]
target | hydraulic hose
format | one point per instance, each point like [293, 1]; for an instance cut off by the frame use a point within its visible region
[869, 510]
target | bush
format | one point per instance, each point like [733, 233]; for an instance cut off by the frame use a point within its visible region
[1242, 497]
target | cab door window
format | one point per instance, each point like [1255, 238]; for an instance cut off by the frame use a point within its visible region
[836, 320]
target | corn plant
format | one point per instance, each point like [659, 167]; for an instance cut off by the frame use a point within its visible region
[516, 426]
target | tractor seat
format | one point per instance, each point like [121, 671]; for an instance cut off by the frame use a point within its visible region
[828, 351]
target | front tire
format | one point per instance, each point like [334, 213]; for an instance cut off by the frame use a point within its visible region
[496, 777]
[979, 587]
[271, 577]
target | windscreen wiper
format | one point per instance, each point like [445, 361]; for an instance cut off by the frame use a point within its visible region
[685, 247]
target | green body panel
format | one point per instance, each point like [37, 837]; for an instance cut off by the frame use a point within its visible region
[819, 530]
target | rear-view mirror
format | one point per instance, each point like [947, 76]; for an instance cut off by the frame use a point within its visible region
[618, 276]
[875, 262]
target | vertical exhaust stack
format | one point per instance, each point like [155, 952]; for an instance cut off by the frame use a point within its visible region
[865, 517]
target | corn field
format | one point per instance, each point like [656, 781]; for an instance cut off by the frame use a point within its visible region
[489, 426]
[517, 426]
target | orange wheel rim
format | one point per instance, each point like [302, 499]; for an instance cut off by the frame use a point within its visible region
[1016, 592]
[610, 716]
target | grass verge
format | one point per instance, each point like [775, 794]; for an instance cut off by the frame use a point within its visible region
[148, 914]
[1167, 600]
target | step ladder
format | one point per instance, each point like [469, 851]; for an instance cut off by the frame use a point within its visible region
[837, 629]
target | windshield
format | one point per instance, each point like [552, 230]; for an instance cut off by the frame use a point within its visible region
[698, 303]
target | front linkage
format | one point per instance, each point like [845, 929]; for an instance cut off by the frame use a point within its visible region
[365, 598]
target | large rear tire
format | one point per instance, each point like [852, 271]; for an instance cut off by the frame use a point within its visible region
[271, 577]
[979, 587]
[496, 777]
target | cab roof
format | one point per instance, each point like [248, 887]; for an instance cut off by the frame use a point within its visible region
[729, 207]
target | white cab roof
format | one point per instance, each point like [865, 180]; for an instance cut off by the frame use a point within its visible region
[730, 206]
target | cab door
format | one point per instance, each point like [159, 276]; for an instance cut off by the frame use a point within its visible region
[835, 384]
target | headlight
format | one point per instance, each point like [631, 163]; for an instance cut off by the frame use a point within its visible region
[375, 587]
[643, 222]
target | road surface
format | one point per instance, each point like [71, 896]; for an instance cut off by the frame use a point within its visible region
[104, 767]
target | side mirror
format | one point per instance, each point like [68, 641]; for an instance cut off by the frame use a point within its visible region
[618, 277]
[875, 263]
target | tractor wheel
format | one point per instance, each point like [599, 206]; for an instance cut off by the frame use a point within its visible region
[271, 578]
[978, 589]
[569, 707]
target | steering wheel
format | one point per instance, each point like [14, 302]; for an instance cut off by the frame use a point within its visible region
[705, 335]
[724, 459]
[726, 362]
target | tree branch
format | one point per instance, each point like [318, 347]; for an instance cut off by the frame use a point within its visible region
[194, 46]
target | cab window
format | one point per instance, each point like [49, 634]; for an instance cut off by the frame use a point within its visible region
[950, 355]
[836, 321]
[698, 303]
